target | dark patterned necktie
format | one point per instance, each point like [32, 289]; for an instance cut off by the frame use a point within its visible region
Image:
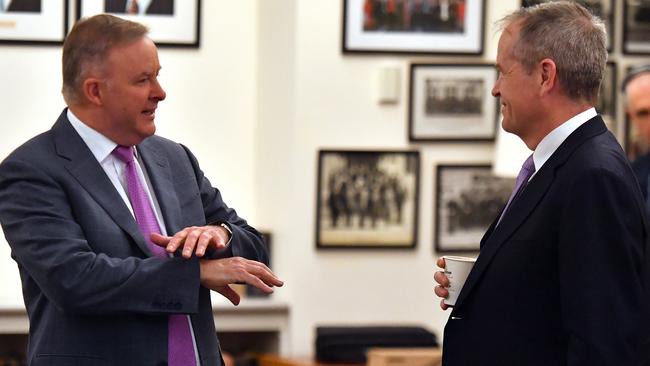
[527, 170]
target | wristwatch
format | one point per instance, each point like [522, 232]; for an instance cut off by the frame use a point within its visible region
[228, 229]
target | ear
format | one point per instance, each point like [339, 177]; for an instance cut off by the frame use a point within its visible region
[91, 88]
[548, 73]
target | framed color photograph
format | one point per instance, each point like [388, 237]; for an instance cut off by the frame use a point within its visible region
[452, 102]
[42, 22]
[367, 199]
[173, 23]
[468, 199]
[636, 27]
[414, 27]
[604, 9]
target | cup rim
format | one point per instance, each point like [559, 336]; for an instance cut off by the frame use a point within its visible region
[459, 259]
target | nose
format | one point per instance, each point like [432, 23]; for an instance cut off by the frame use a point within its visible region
[157, 92]
[495, 90]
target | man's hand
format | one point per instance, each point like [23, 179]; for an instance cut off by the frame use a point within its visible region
[217, 274]
[195, 239]
[443, 283]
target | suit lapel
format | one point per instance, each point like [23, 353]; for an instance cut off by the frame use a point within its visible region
[83, 166]
[160, 174]
[521, 208]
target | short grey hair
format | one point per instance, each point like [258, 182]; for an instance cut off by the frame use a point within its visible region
[567, 33]
[88, 45]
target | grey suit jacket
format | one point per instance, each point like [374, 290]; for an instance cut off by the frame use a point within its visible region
[93, 292]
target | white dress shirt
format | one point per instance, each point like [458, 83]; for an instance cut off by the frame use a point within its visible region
[555, 138]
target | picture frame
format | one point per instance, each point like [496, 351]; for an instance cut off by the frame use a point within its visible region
[252, 291]
[636, 27]
[172, 23]
[413, 27]
[604, 9]
[606, 105]
[367, 199]
[452, 102]
[34, 22]
[468, 198]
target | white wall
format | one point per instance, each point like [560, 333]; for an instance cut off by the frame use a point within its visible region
[312, 97]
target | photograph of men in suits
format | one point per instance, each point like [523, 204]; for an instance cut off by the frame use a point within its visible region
[24, 6]
[560, 275]
[140, 7]
[118, 235]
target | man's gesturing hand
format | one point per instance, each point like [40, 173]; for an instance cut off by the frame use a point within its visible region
[194, 239]
[217, 274]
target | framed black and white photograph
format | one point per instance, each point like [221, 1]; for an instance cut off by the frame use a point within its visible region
[452, 102]
[604, 9]
[468, 199]
[172, 23]
[413, 26]
[367, 199]
[606, 105]
[636, 27]
[36, 22]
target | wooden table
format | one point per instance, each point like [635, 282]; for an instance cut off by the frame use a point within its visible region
[271, 360]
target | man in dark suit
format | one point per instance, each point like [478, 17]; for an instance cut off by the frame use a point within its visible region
[560, 276]
[151, 7]
[27, 6]
[636, 87]
[90, 206]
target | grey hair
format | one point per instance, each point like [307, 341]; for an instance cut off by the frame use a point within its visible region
[568, 34]
[87, 47]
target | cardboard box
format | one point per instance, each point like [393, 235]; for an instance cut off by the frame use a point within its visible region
[404, 357]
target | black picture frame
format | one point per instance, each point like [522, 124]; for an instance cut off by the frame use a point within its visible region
[607, 98]
[636, 27]
[368, 28]
[452, 102]
[604, 9]
[34, 22]
[468, 198]
[367, 199]
[172, 23]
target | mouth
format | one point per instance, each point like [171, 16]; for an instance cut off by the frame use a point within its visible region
[149, 113]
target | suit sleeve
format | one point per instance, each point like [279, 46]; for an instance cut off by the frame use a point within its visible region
[55, 258]
[601, 251]
[246, 241]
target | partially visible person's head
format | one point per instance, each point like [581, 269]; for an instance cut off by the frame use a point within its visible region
[553, 49]
[636, 87]
[568, 34]
[87, 46]
[110, 77]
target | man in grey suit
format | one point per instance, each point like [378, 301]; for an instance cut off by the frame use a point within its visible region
[561, 275]
[118, 236]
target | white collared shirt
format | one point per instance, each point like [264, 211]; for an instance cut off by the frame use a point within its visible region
[101, 147]
[555, 138]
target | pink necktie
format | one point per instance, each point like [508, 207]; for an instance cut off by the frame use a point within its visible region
[527, 170]
[180, 344]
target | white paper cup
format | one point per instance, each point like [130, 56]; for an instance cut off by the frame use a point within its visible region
[456, 269]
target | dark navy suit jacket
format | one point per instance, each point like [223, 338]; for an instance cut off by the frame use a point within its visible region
[94, 293]
[159, 7]
[560, 280]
